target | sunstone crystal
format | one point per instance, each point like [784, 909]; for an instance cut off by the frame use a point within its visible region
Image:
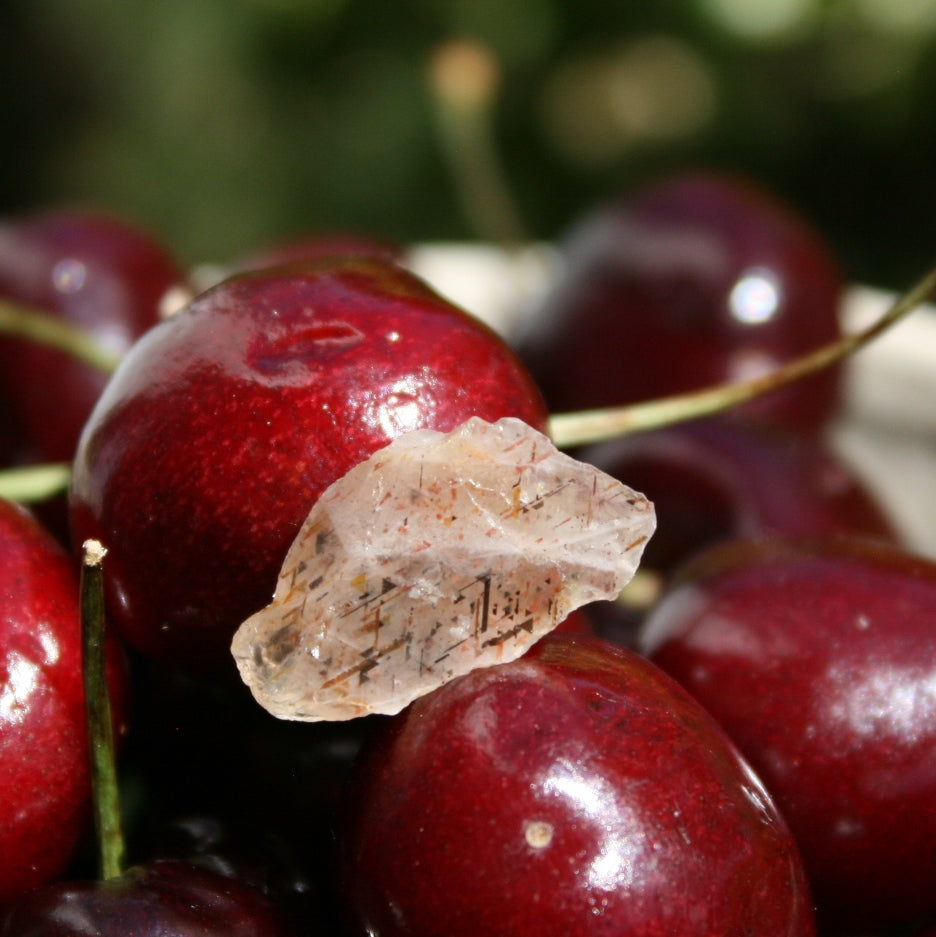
[441, 553]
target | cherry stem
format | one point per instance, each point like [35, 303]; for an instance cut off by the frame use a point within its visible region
[38, 326]
[464, 78]
[32, 483]
[568, 430]
[106, 796]
[29, 484]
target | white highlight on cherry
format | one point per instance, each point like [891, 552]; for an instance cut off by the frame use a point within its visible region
[755, 298]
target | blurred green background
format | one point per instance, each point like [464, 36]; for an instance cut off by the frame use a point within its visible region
[226, 124]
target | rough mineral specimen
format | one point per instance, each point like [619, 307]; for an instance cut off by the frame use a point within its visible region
[441, 553]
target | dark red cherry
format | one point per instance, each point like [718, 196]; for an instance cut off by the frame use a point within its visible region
[224, 424]
[244, 846]
[576, 622]
[819, 659]
[716, 479]
[44, 771]
[96, 272]
[161, 899]
[698, 279]
[575, 791]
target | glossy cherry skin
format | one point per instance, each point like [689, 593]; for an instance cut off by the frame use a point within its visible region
[224, 424]
[96, 272]
[819, 659]
[576, 622]
[717, 479]
[44, 771]
[576, 791]
[160, 899]
[698, 279]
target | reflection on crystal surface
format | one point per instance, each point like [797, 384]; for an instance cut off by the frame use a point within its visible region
[440, 553]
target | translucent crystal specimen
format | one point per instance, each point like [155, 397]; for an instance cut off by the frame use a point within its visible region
[441, 553]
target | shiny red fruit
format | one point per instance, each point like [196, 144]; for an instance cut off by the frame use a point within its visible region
[161, 899]
[716, 479]
[224, 424]
[44, 771]
[819, 659]
[95, 272]
[576, 622]
[576, 791]
[699, 279]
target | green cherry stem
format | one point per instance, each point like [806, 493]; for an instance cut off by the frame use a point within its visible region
[589, 426]
[105, 791]
[37, 482]
[36, 325]
[29, 484]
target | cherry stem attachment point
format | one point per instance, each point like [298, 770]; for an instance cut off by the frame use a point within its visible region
[569, 430]
[106, 796]
[35, 325]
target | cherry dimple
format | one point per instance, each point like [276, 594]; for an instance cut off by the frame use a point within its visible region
[271, 354]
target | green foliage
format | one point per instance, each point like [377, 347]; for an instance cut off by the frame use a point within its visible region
[227, 123]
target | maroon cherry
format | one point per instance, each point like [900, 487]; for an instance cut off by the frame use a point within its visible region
[697, 280]
[45, 786]
[819, 659]
[716, 479]
[158, 899]
[96, 272]
[161, 899]
[576, 622]
[575, 791]
[224, 424]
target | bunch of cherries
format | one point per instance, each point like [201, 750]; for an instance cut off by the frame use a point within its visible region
[753, 751]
